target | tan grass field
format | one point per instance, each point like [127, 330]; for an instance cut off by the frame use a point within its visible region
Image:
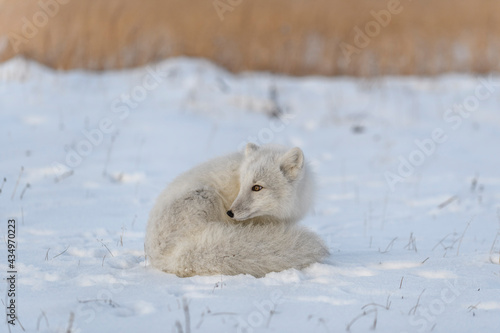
[299, 37]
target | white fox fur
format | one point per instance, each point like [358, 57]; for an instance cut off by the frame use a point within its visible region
[190, 231]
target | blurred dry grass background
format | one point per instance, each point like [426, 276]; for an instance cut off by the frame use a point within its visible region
[299, 37]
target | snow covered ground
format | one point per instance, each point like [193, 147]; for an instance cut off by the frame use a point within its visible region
[408, 200]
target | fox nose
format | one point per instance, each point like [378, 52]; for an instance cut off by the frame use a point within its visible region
[230, 213]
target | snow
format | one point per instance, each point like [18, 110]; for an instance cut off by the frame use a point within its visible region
[414, 250]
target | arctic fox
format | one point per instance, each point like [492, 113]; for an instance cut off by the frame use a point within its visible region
[236, 214]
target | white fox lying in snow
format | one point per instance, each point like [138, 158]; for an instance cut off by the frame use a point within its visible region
[236, 214]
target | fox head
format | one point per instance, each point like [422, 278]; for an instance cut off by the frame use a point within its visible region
[271, 184]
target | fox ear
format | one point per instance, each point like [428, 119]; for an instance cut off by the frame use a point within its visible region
[251, 147]
[292, 163]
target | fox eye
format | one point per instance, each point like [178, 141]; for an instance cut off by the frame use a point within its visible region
[257, 188]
